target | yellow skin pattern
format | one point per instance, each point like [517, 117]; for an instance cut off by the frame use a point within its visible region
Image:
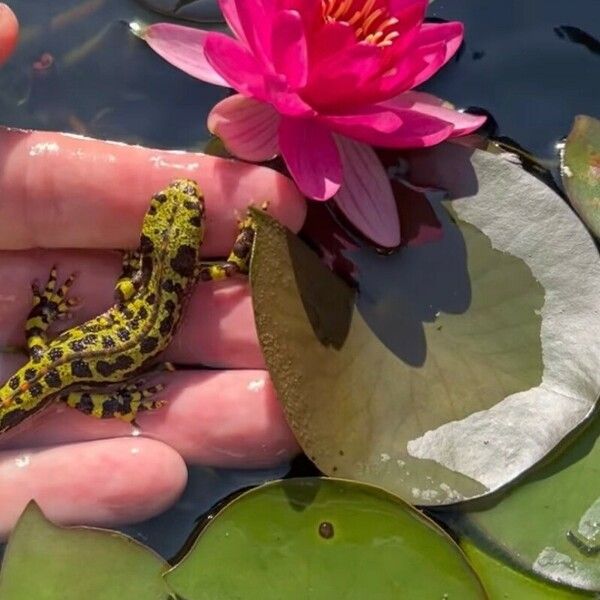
[96, 367]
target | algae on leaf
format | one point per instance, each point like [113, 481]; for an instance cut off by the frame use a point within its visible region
[503, 582]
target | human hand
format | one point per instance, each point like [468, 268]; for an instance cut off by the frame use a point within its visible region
[60, 191]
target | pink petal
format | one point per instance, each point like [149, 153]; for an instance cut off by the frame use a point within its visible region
[286, 102]
[255, 18]
[312, 157]
[235, 64]
[437, 44]
[332, 38]
[230, 12]
[451, 34]
[368, 126]
[247, 127]
[410, 14]
[309, 10]
[389, 127]
[428, 104]
[288, 45]
[183, 47]
[336, 81]
[365, 196]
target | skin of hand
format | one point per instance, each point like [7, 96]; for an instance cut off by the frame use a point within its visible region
[62, 191]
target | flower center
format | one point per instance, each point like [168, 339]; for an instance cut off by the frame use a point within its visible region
[371, 25]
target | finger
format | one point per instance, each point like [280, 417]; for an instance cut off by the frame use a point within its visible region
[226, 419]
[103, 483]
[62, 190]
[9, 32]
[218, 328]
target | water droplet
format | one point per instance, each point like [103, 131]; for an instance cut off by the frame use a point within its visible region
[256, 385]
[22, 461]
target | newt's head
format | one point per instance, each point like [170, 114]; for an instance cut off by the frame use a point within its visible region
[172, 233]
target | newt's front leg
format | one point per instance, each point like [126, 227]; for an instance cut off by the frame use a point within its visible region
[238, 260]
[49, 305]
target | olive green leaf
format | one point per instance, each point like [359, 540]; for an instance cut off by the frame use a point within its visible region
[580, 168]
[47, 562]
[461, 363]
[505, 583]
[549, 524]
[322, 538]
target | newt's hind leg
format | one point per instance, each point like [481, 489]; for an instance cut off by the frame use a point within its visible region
[238, 260]
[123, 402]
[49, 305]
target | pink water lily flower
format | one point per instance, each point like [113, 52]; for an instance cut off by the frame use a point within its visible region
[320, 82]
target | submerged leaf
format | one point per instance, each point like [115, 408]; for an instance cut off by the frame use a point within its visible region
[580, 167]
[464, 362]
[47, 562]
[322, 538]
[503, 582]
[549, 524]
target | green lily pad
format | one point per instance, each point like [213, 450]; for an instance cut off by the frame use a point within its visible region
[580, 168]
[550, 524]
[461, 363]
[47, 562]
[322, 538]
[504, 583]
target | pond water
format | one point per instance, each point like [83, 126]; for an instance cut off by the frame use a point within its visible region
[532, 64]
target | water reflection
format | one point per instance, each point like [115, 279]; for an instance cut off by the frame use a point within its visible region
[578, 36]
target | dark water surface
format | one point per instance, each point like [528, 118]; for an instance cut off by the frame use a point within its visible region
[533, 64]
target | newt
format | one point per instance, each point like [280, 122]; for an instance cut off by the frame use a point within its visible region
[99, 367]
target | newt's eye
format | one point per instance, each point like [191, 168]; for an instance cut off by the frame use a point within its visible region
[124, 290]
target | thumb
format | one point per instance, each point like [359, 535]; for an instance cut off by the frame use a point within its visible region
[9, 32]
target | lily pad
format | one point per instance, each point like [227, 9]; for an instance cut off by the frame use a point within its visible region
[504, 583]
[580, 168]
[322, 538]
[47, 562]
[550, 524]
[461, 363]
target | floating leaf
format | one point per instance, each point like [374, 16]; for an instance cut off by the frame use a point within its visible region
[580, 167]
[550, 523]
[322, 538]
[464, 362]
[504, 583]
[47, 562]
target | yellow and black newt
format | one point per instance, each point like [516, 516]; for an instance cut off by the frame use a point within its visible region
[98, 367]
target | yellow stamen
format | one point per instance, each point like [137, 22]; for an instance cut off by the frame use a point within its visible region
[371, 25]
